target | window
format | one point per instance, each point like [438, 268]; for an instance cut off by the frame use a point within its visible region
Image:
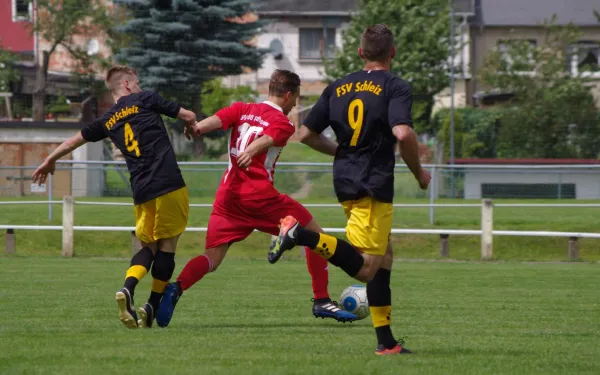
[20, 10]
[513, 52]
[584, 57]
[316, 44]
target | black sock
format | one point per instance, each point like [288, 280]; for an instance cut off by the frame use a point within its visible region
[379, 295]
[385, 337]
[347, 258]
[305, 237]
[338, 252]
[138, 268]
[162, 271]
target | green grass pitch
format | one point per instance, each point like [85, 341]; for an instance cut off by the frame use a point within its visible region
[58, 316]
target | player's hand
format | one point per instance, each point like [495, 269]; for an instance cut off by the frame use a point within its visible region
[40, 174]
[188, 131]
[244, 160]
[424, 178]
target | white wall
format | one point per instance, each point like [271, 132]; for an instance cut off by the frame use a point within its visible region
[587, 183]
[288, 33]
[87, 180]
[84, 182]
[32, 135]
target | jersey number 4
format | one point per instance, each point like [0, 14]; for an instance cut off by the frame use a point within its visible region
[130, 142]
[356, 112]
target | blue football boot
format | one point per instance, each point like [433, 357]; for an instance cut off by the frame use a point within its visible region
[326, 308]
[167, 304]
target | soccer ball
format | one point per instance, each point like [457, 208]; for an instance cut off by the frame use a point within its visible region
[354, 300]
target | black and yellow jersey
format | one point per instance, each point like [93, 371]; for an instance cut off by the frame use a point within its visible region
[362, 108]
[134, 125]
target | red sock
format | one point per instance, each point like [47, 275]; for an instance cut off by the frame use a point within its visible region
[193, 271]
[317, 267]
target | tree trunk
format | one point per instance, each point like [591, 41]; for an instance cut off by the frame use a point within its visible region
[39, 94]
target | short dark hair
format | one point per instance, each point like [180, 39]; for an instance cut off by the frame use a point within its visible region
[283, 81]
[116, 73]
[377, 43]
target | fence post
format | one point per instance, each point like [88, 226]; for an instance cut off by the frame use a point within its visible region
[68, 222]
[573, 250]
[136, 245]
[432, 191]
[50, 209]
[444, 245]
[487, 218]
[11, 241]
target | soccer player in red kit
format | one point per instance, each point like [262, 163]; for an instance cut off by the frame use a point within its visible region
[246, 199]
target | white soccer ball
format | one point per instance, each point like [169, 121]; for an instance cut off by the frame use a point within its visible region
[354, 300]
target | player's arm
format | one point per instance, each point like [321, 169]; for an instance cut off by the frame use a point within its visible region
[277, 134]
[223, 119]
[207, 125]
[257, 146]
[317, 142]
[188, 118]
[399, 117]
[169, 108]
[49, 165]
[316, 122]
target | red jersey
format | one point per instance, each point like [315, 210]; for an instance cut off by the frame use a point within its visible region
[250, 121]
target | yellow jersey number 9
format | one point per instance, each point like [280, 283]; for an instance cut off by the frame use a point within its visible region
[356, 112]
[130, 142]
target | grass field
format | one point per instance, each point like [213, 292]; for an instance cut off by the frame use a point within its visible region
[118, 244]
[58, 317]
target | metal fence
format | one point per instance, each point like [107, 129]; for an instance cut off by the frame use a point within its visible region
[313, 182]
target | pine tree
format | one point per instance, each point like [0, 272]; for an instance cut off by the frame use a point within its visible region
[178, 45]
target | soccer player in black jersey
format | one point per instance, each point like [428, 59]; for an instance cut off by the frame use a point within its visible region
[160, 196]
[370, 112]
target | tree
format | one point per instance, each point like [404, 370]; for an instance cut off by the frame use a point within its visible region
[216, 96]
[8, 71]
[475, 131]
[177, 46]
[60, 22]
[421, 34]
[553, 112]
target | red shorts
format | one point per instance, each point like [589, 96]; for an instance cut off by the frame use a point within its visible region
[232, 220]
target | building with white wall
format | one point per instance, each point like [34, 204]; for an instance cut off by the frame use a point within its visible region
[530, 178]
[29, 143]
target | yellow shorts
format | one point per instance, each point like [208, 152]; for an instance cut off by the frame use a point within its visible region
[369, 224]
[162, 217]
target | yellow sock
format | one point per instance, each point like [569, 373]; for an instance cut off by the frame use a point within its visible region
[326, 246]
[381, 315]
[136, 271]
[158, 286]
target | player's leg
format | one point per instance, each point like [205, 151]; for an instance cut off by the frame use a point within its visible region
[338, 252]
[267, 214]
[140, 263]
[172, 210]
[162, 270]
[379, 295]
[323, 306]
[224, 228]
